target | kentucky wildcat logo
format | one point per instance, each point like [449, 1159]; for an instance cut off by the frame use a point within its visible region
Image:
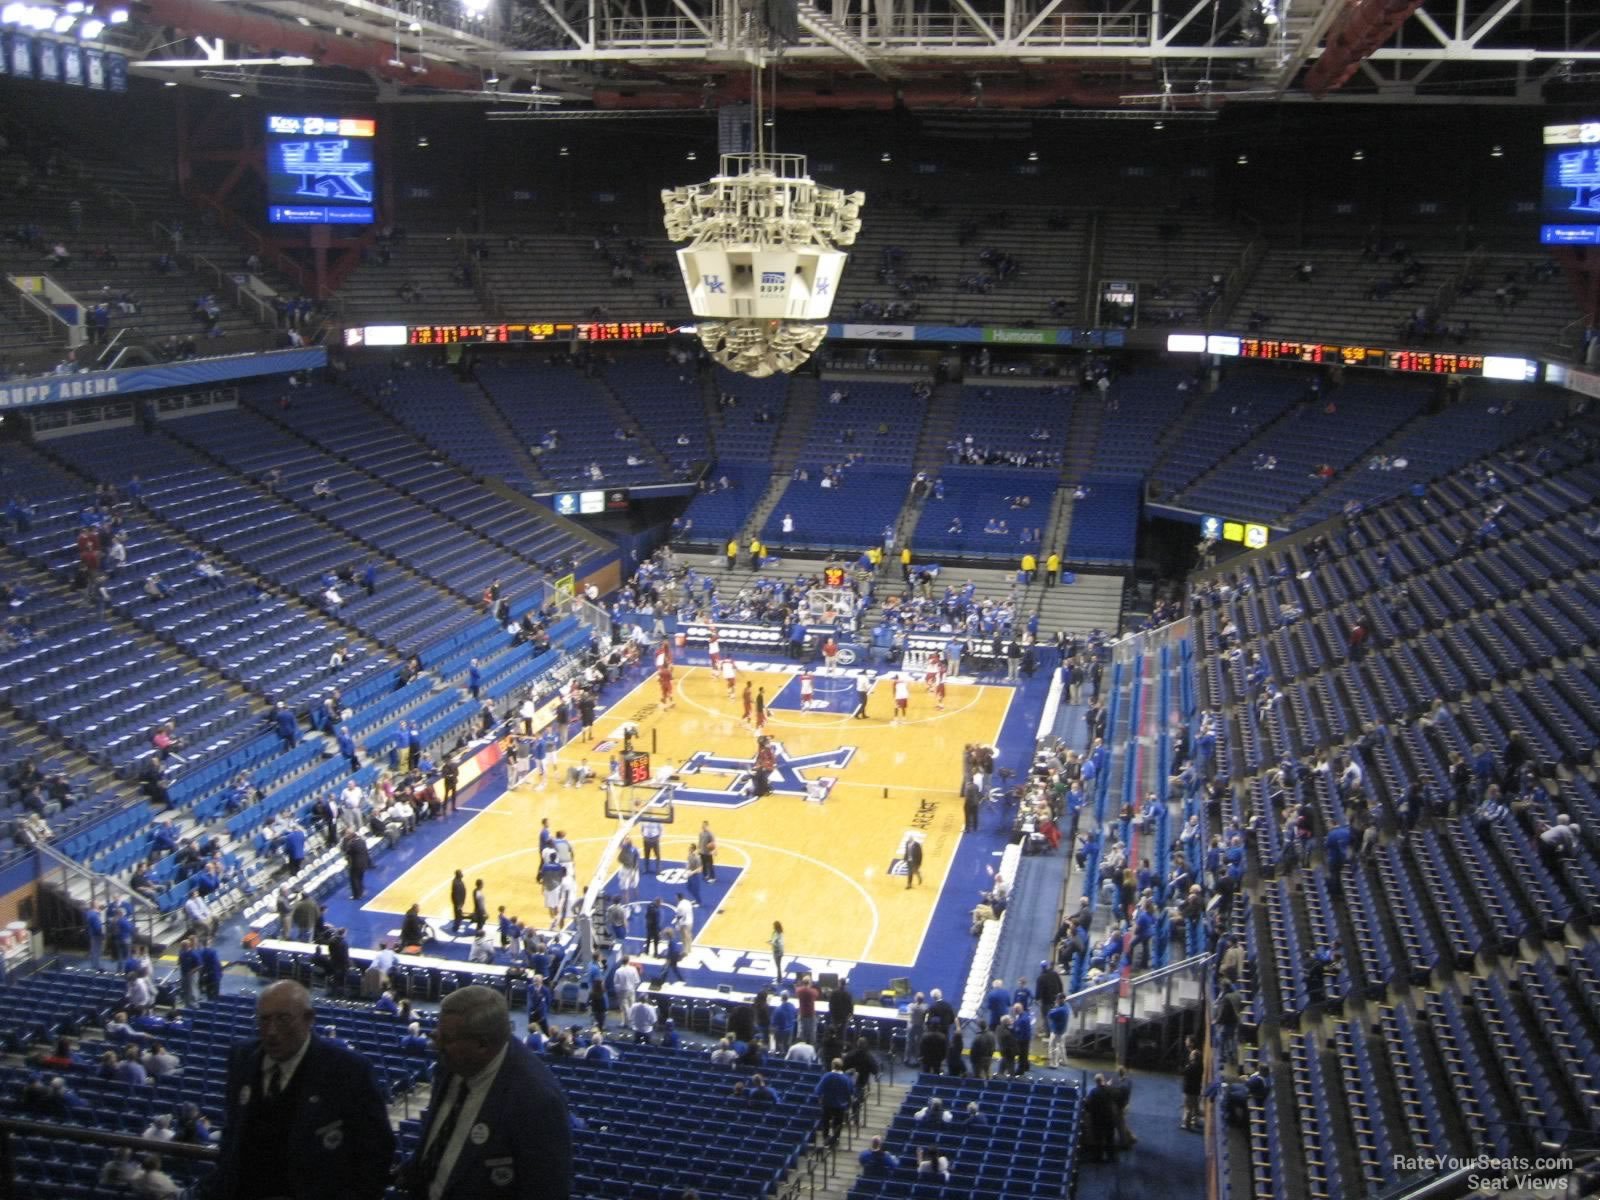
[737, 775]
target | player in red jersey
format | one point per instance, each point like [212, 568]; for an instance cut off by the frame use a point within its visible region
[934, 670]
[749, 700]
[664, 678]
[761, 710]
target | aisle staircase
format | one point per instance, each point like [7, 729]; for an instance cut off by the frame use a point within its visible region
[823, 1174]
[488, 417]
[793, 430]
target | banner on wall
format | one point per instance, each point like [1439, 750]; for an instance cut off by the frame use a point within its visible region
[72, 65]
[49, 61]
[94, 69]
[58, 389]
[19, 53]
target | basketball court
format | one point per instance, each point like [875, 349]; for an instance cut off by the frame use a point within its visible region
[829, 870]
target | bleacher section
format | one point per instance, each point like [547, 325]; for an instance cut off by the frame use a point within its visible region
[1022, 1144]
[1051, 246]
[215, 652]
[536, 399]
[1105, 521]
[1007, 423]
[666, 402]
[429, 404]
[718, 513]
[1329, 429]
[1141, 409]
[977, 496]
[427, 263]
[746, 429]
[1465, 936]
[1171, 258]
[845, 518]
[1223, 420]
[1358, 295]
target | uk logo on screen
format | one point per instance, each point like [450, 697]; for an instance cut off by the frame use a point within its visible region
[567, 504]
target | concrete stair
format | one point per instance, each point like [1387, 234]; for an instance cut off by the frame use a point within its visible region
[823, 1174]
[488, 416]
[793, 429]
[1093, 602]
[625, 421]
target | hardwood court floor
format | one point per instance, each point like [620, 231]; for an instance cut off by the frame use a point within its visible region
[821, 869]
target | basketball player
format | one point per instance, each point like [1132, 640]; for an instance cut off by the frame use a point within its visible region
[714, 648]
[749, 701]
[902, 696]
[805, 691]
[935, 670]
[730, 676]
[761, 710]
[938, 690]
[664, 655]
[664, 678]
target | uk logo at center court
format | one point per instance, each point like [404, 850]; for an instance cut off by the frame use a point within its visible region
[789, 777]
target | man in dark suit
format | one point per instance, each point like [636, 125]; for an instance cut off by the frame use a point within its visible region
[913, 857]
[497, 1125]
[458, 901]
[305, 1119]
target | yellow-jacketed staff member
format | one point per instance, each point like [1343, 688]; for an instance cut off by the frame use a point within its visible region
[905, 563]
[733, 553]
[757, 553]
[1052, 569]
[1030, 565]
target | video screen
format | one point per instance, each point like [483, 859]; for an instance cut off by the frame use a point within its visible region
[1570, 205]
[320, 170]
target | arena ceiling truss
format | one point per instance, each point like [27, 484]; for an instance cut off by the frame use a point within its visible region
[574, 58]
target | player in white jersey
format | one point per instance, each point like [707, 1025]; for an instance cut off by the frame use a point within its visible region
[730, 676]
[902, 697]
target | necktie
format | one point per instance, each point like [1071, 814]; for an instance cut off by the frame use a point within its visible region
[275, 1082]
[436, 1148]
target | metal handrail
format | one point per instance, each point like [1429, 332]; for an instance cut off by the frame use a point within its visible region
[48, 312]
[102, 888]
[230, 222]
[199, 1151]
[112, 345]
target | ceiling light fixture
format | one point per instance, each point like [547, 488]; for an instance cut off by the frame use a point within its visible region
[765, 249]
